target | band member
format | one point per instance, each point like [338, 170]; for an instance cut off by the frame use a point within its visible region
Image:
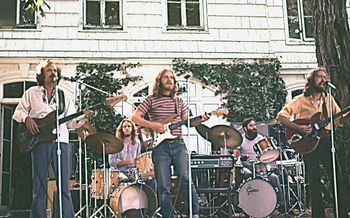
[314, 99]
[162, 103]
[125, 159]
[37, 102]
[248, 156]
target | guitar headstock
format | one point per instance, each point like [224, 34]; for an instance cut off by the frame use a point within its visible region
[112, 101]
[220, 112]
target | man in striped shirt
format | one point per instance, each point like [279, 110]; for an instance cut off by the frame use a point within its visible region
[163, 103]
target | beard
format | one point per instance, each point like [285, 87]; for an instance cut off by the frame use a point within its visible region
[251, 134]
[320, 88]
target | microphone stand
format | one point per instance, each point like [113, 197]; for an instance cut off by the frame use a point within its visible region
[336, 215]
[189, 150]
[59, 166]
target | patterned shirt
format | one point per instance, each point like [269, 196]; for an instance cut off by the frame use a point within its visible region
[130, 151]
[160, 108]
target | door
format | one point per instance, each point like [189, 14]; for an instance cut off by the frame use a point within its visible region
[6, 153]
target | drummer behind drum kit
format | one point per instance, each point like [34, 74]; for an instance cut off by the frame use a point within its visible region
[256, 195]
[124, 198]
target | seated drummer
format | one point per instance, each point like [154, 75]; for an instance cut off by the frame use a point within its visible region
[125, 160]
[245, 152]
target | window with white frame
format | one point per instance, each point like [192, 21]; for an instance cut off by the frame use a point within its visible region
[14, 15]
[105, 14]
[299, 18]
[185, 14]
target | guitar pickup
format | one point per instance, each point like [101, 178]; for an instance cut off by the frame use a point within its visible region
[317, 127]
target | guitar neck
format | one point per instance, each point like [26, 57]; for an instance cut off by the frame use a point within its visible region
[72, 116]
[178, 124]
[326, 121]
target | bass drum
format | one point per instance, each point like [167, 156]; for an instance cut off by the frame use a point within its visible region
[129, 197]
[257, 198]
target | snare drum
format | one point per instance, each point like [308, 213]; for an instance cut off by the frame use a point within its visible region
[266, 150]
[97, 182]
[133, 196]
[144, 166]
[257, 198]
[264, 169]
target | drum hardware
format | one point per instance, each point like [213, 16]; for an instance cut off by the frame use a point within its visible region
[103, 143]
[294, 185]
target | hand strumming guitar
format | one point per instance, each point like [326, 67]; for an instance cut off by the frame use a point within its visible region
[31, 125]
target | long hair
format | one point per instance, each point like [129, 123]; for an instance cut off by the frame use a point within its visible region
[157, 86]
[310, 86]
[120, 134]
[41, 77]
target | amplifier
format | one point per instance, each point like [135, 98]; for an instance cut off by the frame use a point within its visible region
[212, 161]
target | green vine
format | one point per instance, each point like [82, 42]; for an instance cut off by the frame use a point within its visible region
[102, 76]
[253, 88]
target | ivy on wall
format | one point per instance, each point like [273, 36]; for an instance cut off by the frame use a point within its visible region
[249, 88]
[102, 76]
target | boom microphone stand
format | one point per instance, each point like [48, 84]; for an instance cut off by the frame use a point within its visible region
[59, 170]
[330, 87]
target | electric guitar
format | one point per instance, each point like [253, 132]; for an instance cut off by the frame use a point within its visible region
[304, 144]
[158, 138]
[26, 141]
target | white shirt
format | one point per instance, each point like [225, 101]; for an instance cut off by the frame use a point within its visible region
[35, 104]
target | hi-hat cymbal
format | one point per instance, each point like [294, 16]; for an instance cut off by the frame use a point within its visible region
[221, 133]
[85, 130]
[204, 131]
[112, 144]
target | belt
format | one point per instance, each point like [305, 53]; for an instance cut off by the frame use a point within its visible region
[175, 139]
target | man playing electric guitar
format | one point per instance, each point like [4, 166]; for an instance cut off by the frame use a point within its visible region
[37, 102]
[160, 105]
[305, 106]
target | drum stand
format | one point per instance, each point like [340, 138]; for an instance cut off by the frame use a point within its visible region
[86, 206]
[105, 206]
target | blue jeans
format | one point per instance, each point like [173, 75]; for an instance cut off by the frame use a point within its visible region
[43, 155]
[164, 155]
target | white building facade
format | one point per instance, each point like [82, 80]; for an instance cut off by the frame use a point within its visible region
[153, 33]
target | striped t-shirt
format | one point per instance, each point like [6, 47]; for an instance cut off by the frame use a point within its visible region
[160, 108]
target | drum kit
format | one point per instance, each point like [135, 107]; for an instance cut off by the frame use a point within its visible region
[256, 195]
[107, 183]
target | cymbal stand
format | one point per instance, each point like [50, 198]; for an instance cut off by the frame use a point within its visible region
[283, 182]
[105, 206]
[224, 151]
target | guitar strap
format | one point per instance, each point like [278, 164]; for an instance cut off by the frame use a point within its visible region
[177, 109]
[62, 102]
[324, 109]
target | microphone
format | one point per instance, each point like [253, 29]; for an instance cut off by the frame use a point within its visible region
[329, 84]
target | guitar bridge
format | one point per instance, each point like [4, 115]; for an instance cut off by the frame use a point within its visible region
[294, 138]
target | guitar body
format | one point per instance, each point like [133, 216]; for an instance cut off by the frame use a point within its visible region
[304, 144]
[159, 138]
[46, 126]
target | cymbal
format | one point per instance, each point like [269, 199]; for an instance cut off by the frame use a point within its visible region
[112, 144]
[220, 132]
[204, 131]
[85, 130]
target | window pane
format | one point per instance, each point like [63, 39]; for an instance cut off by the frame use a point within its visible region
[26, 17]
[308, 27]
[5, 189]
[6, 155]
[192, 14]
[307, 5]
[13, 90]
[93, 14]
[174, 14]
[7, 124]
[29, 84]
[7, 13]
[293, 26]
[112, 13]
[292, 8]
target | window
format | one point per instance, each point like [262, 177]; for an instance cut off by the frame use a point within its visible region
[103, 14]
[13, 14]
[185, 14]
[299, 16]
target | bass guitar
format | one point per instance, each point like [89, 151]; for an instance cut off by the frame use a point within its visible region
[304, 144]
[47, 125]
[152, 139]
